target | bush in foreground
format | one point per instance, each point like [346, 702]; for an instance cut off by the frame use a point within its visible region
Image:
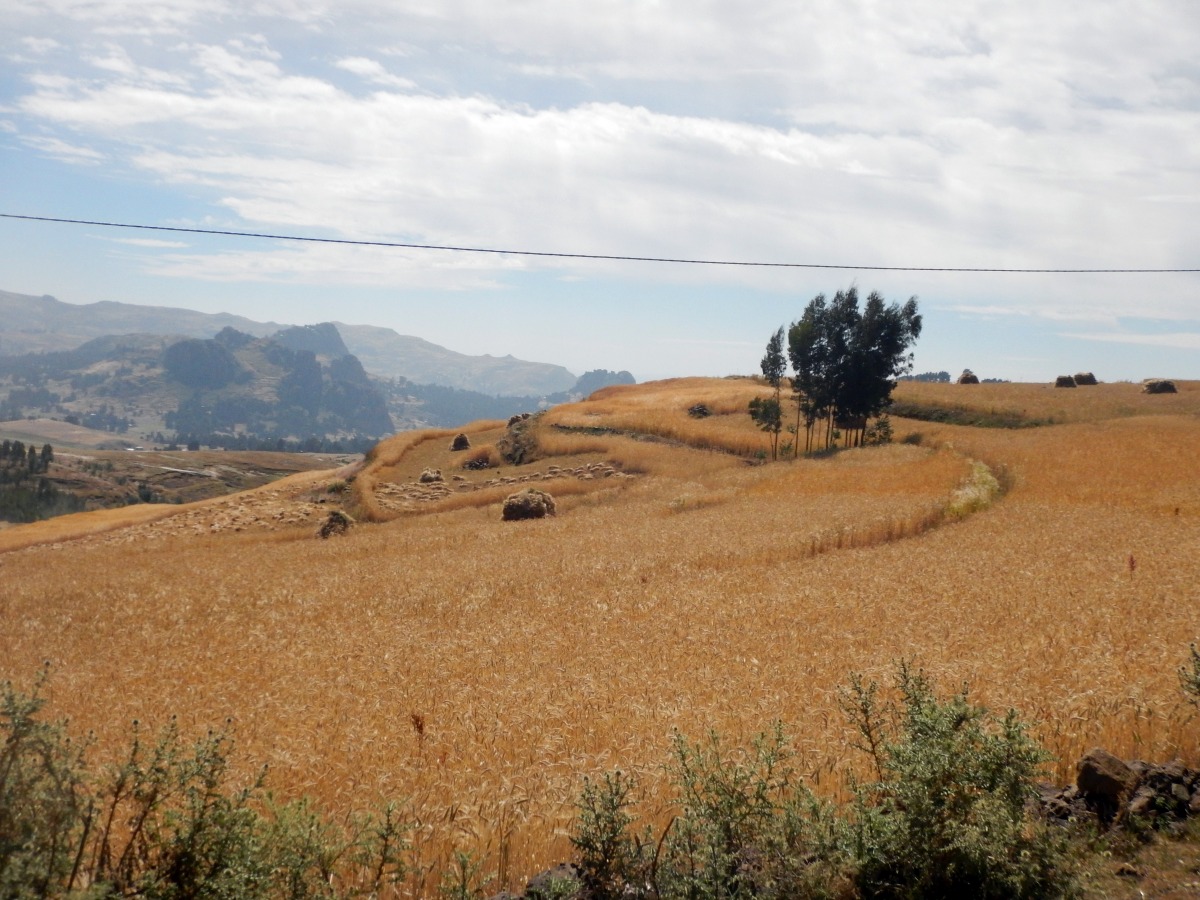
[948, 815]
[945, 815]
[167, 823]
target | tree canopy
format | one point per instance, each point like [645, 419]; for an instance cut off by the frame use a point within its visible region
[767, 413]
[846, 359]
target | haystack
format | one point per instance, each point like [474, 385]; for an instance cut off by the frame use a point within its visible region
[1064, 381]
[431, 476]
[968, 377]
[337, 522]
[1085, 378]
[527, 504]
[460, 442]
[1158, 386]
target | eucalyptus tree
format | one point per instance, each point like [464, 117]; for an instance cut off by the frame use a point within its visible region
[846, 360]
[768, 412]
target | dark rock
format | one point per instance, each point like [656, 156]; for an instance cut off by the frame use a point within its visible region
[1158, 386]
[554, 882]
[1193, 808]
[1104, 776]
[460, 442]
[1061, 805]
[1064, 381]
[1140, 767]
[699, 411]
[1143, 805]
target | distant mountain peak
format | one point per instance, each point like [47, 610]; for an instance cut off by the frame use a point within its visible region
[322, 339]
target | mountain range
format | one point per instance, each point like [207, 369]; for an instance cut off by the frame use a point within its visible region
[30, 324]
[176, 375]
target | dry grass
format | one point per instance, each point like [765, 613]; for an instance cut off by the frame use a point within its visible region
[702, 593]
[661, 409]
[105, 521]
[1046, 403]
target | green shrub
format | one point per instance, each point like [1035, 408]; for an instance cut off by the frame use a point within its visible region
[464, 880]
[948, 816]
[610, 857]
[166, 824]
[746, 827]
[43, 799]
[878, 432]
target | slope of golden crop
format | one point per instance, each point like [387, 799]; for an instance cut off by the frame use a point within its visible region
[661, 409]
[128, 520]
[701, 593]
[1045, 402]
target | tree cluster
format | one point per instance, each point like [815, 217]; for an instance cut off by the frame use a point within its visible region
[26, 494]
[845, 359]
[19, 461]
[201, 364]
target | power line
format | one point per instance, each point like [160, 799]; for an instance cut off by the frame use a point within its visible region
[591, 256]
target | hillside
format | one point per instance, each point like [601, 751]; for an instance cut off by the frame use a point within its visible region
[390, 355]
[31, 324]
[481, 668]
[46, 324]
[234, 391]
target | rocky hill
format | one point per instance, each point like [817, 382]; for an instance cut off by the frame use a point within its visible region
[30, 324]
[233, 390]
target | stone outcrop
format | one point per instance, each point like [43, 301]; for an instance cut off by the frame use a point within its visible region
[1118, 793]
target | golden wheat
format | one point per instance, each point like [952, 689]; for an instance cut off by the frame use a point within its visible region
[702, 593]
[1044, 402]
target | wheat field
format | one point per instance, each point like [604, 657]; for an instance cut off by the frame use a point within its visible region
[478, 669]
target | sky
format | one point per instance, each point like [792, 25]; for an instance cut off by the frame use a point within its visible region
[822, 134]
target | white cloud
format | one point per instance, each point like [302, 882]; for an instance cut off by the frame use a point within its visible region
[825, 132]
[66, 152]
[1182, 340]
[373, 71]
[40, 45]
[152, 243]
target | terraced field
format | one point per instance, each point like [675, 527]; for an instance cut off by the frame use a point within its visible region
[478, 669]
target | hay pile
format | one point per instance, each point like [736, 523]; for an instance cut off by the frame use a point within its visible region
[527, 504]
[337, 522]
